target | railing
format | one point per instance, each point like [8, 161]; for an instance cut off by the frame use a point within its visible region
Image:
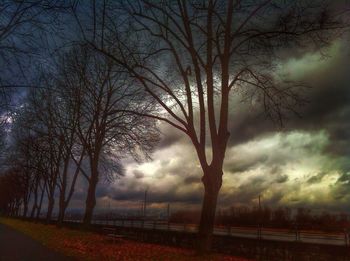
[295, 235]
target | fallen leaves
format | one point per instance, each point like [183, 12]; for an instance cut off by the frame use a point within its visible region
[90, 246]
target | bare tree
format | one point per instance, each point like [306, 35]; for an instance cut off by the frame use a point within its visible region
[106, 130]
[12, 192]
[22, 24]
[189, 56]
[41, 109]
[66, 119]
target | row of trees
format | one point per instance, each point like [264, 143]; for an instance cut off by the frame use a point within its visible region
[78, 123]
[192, 56]
[178, 62]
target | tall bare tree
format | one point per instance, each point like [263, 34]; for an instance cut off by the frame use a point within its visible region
[102, 93]
[189, 56]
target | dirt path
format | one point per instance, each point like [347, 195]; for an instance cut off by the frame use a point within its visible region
[15, 246]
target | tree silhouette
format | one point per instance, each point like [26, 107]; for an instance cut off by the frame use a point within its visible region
[190, 56]
[101, 95]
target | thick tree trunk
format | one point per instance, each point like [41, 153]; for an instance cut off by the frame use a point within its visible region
[212, 181]
[91, 197]
[61, 213]
[61, 206]
[90, 203]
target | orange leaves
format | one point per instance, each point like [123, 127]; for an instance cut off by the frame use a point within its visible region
[89, 246]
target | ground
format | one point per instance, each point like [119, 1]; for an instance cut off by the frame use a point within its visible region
[16, 246]
[82, 245]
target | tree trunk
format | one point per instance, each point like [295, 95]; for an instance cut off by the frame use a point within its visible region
[35, 204]
[32, 213]
[40, 202]
[212, 180]
[61, 213]
[61, 205]
[90, 203]
[91, 197]
[25, 209]
[50, 206]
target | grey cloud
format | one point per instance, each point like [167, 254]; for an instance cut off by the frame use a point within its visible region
[328, 108]
[192, 179]
[170, 136]
[282, 179]
[246, 163]
[316, 178]
[158, 196]
[138, 174]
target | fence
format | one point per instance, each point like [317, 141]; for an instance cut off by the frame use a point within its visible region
[260, 233]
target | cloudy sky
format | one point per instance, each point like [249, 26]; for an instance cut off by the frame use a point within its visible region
[305, 163]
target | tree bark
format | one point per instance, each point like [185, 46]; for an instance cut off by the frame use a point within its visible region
[41, 201]
[91, 197]
[61, 212]
[50, 209]
[90, 203]
[212, 180]
[35, 203]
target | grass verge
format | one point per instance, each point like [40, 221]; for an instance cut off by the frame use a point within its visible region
[84, 245]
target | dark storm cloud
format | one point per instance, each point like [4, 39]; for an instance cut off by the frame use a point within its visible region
[138, 174]
[246, 163]
[170, 136]
[245, 193]
[342, 188]
[192, 179]
[157, 196]
[282, 178]
[328, 107]
[176, 177]
[316, 178]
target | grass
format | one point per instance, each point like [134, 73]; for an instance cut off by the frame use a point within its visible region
[84, 245]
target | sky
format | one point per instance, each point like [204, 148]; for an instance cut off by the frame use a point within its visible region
[305, 163]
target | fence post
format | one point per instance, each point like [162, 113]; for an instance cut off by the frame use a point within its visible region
[296, 232]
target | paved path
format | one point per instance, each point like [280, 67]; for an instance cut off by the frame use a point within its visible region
[15, 246]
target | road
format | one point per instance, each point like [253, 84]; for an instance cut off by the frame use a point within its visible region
[15, 246]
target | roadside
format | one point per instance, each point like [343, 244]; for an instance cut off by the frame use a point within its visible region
[16, 246]
[84, 245]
